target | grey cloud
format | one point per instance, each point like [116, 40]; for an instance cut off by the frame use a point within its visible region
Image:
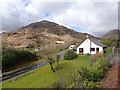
[93, 17]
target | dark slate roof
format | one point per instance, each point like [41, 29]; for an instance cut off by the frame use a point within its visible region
[94, 40]
[98, 42]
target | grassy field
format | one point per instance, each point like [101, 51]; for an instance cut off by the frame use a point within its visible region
[44, 77]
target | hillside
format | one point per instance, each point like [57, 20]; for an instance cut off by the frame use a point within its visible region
[113, 34]
[40, 33]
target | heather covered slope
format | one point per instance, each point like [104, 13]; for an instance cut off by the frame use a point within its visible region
[43, 32]
[113, 34]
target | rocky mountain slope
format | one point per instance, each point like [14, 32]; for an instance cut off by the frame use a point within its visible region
[40, 33]
[113, 34]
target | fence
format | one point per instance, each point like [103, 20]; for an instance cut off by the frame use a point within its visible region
[112, 55]
[110, 59]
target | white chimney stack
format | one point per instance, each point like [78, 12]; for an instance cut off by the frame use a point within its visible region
[87, 36]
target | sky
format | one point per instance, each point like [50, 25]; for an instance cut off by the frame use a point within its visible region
[95, 17]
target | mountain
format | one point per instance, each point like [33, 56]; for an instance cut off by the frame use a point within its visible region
[112, 34]
[42, 33]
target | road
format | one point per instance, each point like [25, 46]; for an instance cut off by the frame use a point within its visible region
[24, 70]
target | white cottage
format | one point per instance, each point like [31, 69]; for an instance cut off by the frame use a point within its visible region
[95, 45]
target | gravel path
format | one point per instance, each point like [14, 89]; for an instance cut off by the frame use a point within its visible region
[112, 77]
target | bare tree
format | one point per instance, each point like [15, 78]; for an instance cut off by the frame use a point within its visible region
[51, 60]
[49, 50]
[57, 59]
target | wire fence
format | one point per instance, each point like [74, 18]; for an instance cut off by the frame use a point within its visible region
[112, 56]
[110, 59]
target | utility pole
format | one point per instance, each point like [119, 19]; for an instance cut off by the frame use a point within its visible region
[90, 51]
[90, 54]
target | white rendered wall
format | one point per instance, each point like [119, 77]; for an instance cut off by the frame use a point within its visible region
[86, 46]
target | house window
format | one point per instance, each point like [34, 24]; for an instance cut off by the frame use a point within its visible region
[97, 50]
[92, 49]
[81, 50]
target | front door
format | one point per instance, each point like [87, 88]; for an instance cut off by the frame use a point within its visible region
[97, 50]
[81, 50]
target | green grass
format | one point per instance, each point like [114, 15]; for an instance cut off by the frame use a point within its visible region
[80, 60]
[39, 78]
[44, 77]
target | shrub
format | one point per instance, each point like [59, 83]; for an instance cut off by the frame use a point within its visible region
[109, 50]
[84, 73]
[97, 56]
[71, 85]
[101, 65]
[69, 55]
[91, 84]
[91, 77]
[38, 54]
[8, 59]
[12, 57]
[96, 75]
[106, 41]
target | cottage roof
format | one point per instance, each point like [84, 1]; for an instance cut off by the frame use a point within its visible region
[96, 41]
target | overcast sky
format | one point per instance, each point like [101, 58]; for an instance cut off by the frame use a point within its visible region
[91, 16]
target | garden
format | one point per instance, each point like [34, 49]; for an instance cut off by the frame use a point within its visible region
[44, 77]
[75, 73]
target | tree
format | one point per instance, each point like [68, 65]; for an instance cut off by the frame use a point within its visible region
[49, 50]
[51, 60]
[57, 58]
[8, 59]
[109, 41]
[12, 57]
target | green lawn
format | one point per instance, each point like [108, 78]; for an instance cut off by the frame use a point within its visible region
[44, 77]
